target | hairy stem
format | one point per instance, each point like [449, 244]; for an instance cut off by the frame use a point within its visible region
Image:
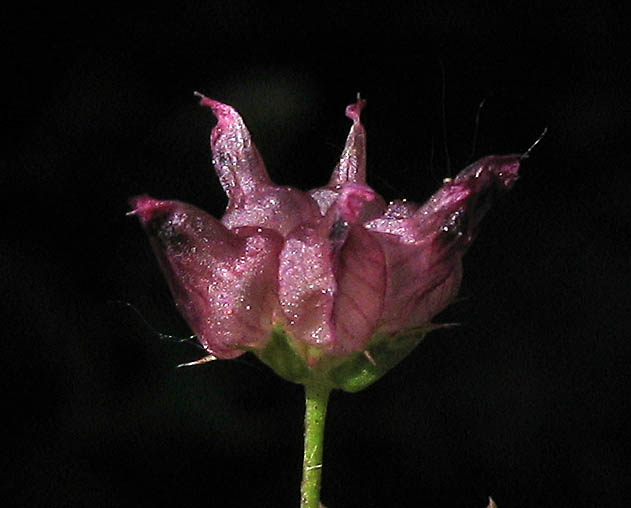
[316, 400]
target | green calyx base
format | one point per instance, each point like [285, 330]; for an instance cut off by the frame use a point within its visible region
[307, 365]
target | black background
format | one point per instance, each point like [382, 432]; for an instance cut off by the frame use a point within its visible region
[527, 401]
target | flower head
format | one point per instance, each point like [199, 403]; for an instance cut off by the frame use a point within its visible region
[331, 283]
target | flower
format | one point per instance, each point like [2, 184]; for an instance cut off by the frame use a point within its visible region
[332, 284]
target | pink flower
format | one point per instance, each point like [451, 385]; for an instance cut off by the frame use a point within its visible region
[335, 270]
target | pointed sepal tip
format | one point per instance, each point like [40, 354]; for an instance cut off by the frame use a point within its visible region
[354, 111]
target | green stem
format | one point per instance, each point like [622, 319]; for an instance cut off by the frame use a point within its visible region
[316, 399]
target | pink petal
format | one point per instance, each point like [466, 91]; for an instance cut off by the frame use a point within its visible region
[424, 247]
[351, 168]
[223, 282]
[422, 281]
[352, 165]
[307, 287]
[237, 161]
[332, 277]
[254, 200]
[361, 290]
[279, 208]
